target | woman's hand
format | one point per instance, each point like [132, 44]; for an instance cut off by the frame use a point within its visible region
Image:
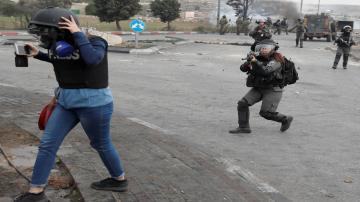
[69, 24]
[34, 51]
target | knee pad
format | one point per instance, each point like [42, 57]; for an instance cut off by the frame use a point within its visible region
[243, 104]
[267, 114]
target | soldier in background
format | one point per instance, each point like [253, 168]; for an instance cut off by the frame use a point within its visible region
[223, 25]
[268, 22]
[284, 25]
[277, 26]
[239, 25]
[246, 25]
[344, 43]
[300, 30]
[260, 33]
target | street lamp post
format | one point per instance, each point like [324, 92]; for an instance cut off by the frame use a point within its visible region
[318, 7]
[301, 6]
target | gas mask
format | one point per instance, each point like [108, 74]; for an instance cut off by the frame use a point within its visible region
[44, 26]
[51, 38]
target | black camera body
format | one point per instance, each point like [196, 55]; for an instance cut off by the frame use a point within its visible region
[21, 55]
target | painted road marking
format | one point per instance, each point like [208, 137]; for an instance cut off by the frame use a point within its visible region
[248, 176]
[149, 125]
[229, 164]
[7, 85]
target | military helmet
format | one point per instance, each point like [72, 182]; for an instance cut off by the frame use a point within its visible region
[267, 43]
[44, 24]
[347, 28]
[51, 16]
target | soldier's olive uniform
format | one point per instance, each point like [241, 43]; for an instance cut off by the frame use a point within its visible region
[239, 25]
[263, 79]
[284, 25]
[259, 34]
[245, 26]
[223, 22]
[277, 26]
[300, 30]
[344, 43]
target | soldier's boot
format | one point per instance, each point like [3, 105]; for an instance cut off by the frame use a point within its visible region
[297, 42]
[336, 61]
[345, 61]
[276, 116]
[285, 124]
[243, 118]
[301, 43]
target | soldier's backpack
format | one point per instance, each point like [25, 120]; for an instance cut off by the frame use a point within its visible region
[289, 73]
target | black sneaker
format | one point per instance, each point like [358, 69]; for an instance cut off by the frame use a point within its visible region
[30, 197]
[110, 184]
[286, 123]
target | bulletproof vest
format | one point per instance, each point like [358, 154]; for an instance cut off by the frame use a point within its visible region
[346, 40]
[72, 72]
[272, 80]
[300, 27]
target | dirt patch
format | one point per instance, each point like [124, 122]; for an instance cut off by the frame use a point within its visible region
[20, 148]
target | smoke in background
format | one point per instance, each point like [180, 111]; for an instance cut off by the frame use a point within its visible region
[276, 9]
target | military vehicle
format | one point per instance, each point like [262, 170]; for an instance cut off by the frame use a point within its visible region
[318, 26]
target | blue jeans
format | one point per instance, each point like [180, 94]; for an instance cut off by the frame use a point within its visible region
[96, 123]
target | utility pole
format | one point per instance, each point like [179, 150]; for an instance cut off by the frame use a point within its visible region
[218, 14]
[318, 7]
[301, 6]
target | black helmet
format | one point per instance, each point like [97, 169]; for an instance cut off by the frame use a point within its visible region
[45, 25]
[51, 16]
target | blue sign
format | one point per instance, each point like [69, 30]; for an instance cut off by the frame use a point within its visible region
[137, 25]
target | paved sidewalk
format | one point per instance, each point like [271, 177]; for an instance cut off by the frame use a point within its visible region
[160, 167]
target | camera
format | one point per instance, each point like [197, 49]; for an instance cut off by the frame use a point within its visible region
[21, 54]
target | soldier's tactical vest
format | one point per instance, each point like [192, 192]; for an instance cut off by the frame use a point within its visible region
[72, 72]
[260, 81]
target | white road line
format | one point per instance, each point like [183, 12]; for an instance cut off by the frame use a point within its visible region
[149, 125]
[7, 85]
[247, 175]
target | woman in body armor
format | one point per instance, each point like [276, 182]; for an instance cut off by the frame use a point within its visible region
[344, 43]
[83, 96]
[264, 78]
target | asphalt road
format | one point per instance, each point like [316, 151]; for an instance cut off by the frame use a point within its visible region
[190, 91]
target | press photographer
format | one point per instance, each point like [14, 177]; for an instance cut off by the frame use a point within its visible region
[83, 96]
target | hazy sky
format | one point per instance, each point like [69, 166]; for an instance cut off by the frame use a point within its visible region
[351, 2]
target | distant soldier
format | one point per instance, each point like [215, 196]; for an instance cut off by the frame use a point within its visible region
[269, 22]
[246, 25]
[344, 43]
[333, 30]
[284, 25]
[277, 26]
[260, 33]
[300, 30]
[239, 25]
[223, 25]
